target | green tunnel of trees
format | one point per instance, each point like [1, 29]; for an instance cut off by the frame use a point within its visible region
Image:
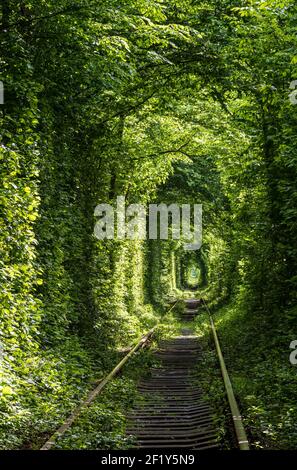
[174, 101]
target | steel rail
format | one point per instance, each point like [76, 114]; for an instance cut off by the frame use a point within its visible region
[241, 436]
[93, 394]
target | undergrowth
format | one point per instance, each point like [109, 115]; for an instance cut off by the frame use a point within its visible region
[103, 425]
[263, 379]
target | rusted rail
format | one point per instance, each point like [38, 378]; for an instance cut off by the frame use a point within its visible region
[237, 420]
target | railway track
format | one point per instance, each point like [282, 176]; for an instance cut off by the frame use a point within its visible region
[191, 309]
[172, 411]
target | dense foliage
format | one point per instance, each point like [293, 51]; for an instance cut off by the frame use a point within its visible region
[181, 101]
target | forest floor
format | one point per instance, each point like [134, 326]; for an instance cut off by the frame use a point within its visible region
[263, 385]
